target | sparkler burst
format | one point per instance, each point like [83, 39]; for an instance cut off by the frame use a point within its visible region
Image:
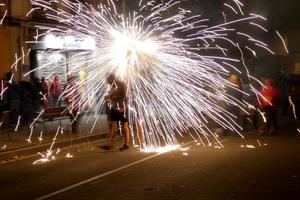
[175, 65]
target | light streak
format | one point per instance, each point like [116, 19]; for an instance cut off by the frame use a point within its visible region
[293, 107]
[164, 149]
[172, 84]
[58, 151]
[258, 142]
[263, 115]
[283, 42]
[229, 6]
[34, 121]
[18, 123]
[69, 155]
[3, 147]
[30, 135]
[3, 17]
[48, 156]
[15, 64]
[252, 51]
[2, 89]
[40, 138]
[259, 26]
[249, 146]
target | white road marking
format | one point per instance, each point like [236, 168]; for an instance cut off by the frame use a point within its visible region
[106, 174]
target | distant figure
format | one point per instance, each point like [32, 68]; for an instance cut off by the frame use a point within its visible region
[27, 92]
[3, 95]
[71, 94]
[234, 92]
[269, 103]
[55, 91]
[36, 93]
[13, 97]
[249, 97]
[118, 110]
[45, 92]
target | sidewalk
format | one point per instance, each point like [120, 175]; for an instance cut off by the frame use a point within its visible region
[23, 141]
[19, 144]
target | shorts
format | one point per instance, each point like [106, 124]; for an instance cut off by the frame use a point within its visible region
[118, 116]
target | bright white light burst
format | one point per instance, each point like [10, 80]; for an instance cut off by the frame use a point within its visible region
[175, 64]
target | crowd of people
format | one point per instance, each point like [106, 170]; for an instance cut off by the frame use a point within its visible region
[264, 101]
[27, 98]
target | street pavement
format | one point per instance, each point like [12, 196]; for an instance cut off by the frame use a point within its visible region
[23, 141]
[257, 167]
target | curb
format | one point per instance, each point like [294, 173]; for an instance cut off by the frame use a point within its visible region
[29, 150]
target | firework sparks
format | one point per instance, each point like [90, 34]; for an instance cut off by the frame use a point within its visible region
[173, 85]
[68, 155]
[283, 42]
[249, 146]
[30, 135]
[293, 107]
[48, 156]
[18, 123]
[40, 138]
[259, 144]
[3, 89]
[3, 17]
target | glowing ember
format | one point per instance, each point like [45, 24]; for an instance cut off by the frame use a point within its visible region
[164, 149]
[69, 155]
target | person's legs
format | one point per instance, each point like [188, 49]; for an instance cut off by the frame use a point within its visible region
[269, 117]
[139, 130]
[244, 118]
[273, 120]
[266, 120]
[254, 117]
[126, 134]
[112, 128]
[125, 130]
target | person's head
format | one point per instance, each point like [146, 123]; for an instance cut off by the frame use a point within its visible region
[55, 78]
[70, 78]
[111, 78]
[233, 78]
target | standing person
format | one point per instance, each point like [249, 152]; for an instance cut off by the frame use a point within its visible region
[36, 93]
[249, 97]
[118, 110]
[27, 101]
[55, 91]
[3, 95]
[45, 92]
[71, 96]
[237, 95]
[269, 104]
[14, 98]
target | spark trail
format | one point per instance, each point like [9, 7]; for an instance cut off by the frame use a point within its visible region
[174, 63]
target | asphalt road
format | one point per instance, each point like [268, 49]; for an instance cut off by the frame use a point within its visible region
[269, 171]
